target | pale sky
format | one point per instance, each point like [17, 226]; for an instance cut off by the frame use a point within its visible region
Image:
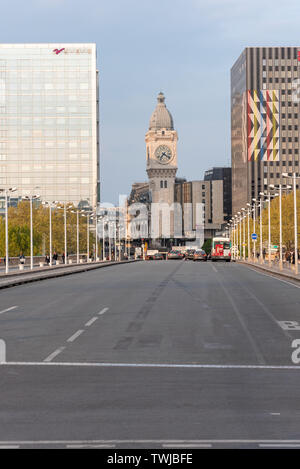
[184, 48]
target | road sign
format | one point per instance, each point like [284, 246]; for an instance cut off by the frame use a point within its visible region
[254, 236]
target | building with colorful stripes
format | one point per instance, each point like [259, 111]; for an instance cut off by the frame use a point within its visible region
[265, 94]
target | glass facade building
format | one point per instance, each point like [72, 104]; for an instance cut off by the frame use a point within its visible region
[264, 120]
[49, 124]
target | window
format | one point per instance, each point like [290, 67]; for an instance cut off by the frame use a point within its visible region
[166, 184]
[161, 184]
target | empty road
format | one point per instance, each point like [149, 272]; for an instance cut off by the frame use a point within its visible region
[151, 355]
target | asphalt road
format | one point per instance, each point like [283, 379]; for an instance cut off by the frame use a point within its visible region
[151, 354]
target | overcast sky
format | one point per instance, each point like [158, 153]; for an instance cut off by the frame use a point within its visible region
[184, 48]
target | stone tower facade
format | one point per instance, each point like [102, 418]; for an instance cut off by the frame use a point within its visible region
[161, 153]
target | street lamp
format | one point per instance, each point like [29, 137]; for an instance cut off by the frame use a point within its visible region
[248, 231]
[286, 175]
[47, 204]
[65, 207]
[31, 197]
[280, 188]
[6, 193]
[254, 229]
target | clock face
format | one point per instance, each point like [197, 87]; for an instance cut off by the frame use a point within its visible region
[163, 154]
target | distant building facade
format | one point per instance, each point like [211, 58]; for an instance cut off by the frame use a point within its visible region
[49, 123]
[264, 120]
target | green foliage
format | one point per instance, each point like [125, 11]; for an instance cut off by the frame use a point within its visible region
[207, 246]
[287, 223]
[19, 231]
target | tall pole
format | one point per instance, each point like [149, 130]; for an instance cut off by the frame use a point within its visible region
[109, 242]
[280, 226]
[96, 231]
[248, 234]
[269, 216]
[50, 234]
[6, 234]
[233, 236]
[237, 238]
[119, 241]
[31, 235]
[254, 228]
[244, 238]
[87, 239]
[77, 237]
[240, 236]
[295, 224]
[65, 226]
[115, 240]
[103, 240]
[260, 231]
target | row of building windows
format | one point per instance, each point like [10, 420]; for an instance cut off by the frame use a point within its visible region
[274, 53]
[163, 184]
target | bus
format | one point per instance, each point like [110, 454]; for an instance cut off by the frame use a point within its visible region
[220, 249]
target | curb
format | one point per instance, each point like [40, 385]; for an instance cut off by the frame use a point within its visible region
[270, 271]
[57, 273]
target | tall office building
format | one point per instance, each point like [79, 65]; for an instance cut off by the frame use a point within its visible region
[49, 121]
[264, 120]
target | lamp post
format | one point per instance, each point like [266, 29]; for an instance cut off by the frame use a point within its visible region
[109, 241]
[240, 234]
[280, 188]
[254, 229]
[294, 177]
[244, 240]
[47, 204]
[6, 193]
[260, 228]
[248, 232]
[30, 198]
[103, 239]
[234, 250]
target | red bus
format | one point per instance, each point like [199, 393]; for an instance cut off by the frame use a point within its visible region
[220, 249]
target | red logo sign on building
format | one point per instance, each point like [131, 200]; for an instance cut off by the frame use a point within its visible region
[58, 51]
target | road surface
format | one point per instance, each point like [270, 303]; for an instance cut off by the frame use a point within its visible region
[151, 355]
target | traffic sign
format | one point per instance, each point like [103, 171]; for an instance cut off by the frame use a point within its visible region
[254, 236]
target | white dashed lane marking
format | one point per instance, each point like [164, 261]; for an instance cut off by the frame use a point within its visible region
[8, 309]
[91, 321]
[54, 354]
[75, 336]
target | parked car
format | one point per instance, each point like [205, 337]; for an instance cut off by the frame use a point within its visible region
[190, 254]
[158, 256]
[200, 256]
[175, 255]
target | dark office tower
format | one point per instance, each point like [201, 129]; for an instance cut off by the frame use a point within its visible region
[222, 174]
[264, 120]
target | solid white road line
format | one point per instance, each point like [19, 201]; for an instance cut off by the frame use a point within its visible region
[8, 309]
[279, 445]
[103, 311]
[75, 336]
[53, 355]
[162, 442]
[48, 362]
[9, 446]
[90, 445]
[213, 268]
[187, 445]
[91, 321]
[273, 276]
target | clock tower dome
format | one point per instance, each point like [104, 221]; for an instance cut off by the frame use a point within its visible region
[161, 152]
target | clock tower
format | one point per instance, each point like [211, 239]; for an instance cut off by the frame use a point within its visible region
[161, 153]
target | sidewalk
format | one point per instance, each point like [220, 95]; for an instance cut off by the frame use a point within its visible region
[288, 271]
[42, 273]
